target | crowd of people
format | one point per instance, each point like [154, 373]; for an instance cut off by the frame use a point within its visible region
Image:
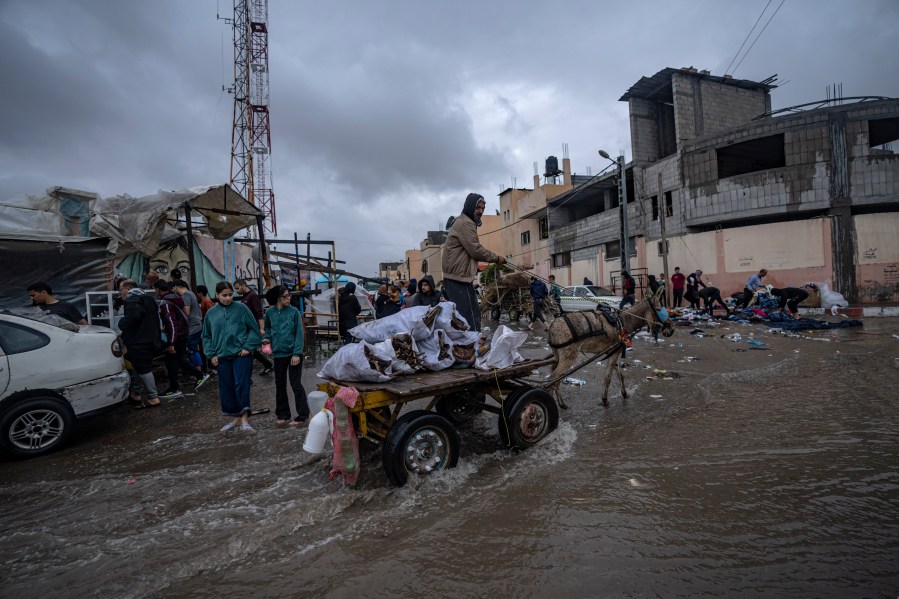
[701, 295]
[196, 336]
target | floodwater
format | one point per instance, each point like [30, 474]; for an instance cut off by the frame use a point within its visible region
[772, 473]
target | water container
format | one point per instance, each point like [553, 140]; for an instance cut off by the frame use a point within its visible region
[316, 401]
[318, 433]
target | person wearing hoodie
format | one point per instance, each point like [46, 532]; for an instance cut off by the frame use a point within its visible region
[348, 309]
[142, 340]
[284, 329]
[461, 253]
[412, 288]
[538, 294]
[427, 293]
[175, 327]
[389, 301]
[230, 336]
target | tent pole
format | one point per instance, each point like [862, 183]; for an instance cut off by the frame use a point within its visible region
[190, 248]
[263, 251]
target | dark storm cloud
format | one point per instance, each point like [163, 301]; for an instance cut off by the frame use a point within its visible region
[385, 115]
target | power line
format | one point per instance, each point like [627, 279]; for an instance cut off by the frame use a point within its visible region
[757, 37]
[746, 39]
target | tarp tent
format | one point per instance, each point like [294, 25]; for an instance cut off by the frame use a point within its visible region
[70, 265]
[143, 223]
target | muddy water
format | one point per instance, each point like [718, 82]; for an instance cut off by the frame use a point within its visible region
[763, 473]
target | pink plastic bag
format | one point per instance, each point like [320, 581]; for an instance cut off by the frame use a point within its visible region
[266, 348]
[346, 444]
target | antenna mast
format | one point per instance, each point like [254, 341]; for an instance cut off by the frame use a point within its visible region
[251, 127]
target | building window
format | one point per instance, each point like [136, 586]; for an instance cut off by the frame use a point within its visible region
[526, 238]
[751, 156]
[613, 250]
[424, 266]
[669, 206]
[882, 133]
[663, 248]
[563, 259]
[544, 228]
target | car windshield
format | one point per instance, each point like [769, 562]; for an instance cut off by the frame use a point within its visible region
[599, 291]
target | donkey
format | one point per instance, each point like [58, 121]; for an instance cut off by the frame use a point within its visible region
[592, 333]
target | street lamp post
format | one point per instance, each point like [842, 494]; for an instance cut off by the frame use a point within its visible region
[622, 210]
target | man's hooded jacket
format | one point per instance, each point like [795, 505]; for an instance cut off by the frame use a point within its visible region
[463, 249]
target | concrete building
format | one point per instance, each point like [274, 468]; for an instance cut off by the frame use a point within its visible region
[810, 193]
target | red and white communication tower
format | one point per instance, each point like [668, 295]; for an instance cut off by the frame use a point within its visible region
[251, 138]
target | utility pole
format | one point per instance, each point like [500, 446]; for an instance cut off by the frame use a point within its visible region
[622, 207]
[663, 205]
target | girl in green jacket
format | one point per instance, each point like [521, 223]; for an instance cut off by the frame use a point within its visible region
[230, 334]
[284, 329]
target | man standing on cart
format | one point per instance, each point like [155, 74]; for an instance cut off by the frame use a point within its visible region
[461, 254]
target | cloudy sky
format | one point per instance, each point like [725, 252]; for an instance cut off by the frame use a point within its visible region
[385, 114]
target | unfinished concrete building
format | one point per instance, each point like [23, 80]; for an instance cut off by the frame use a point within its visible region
[810, 193]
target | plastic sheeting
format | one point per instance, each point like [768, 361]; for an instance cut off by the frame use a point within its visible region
[71, 266]
[60, 211]
[144, 223]
[321, 307]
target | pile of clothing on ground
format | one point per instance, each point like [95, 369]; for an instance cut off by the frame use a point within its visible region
[420, 338]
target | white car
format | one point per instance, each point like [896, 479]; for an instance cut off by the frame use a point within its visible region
[50, 376]
[586, 297]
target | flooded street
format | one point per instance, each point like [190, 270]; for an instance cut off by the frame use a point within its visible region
[742, 471]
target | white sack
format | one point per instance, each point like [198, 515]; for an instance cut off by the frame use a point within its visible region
[431, 348]
[503, 349]
[830, 298]
[384, 328]
[350, 364]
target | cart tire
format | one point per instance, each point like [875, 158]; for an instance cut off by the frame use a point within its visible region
[459, 408]
[506, 406]
[514, 314]
[418, 444]
[529, 417]
[495, 313]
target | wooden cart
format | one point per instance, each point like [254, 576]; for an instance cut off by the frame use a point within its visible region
[419, 442]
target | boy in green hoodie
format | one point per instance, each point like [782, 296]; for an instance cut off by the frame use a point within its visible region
[284, 329]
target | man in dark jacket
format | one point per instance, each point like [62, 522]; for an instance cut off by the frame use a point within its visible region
[461, 254]
[250, 299]
[176, 328]
[628, 290]
[427, 295]
[538, 294]
[141, 336]
[348, 309]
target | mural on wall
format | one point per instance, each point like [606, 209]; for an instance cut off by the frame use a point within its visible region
[209, 258]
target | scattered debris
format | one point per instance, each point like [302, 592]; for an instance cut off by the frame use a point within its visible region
[754, 342]
[573, 381]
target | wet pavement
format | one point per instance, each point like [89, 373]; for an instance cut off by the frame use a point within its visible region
[734, 469]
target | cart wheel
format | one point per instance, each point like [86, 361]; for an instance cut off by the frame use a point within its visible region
[530, 415]
[419, 443]
[459, 408]
[514, 314]
[495, 313]
[507, 404]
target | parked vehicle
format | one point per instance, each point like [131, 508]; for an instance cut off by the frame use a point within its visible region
[586, 297]
[50, 376]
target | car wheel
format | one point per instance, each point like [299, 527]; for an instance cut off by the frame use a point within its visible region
[35, 426]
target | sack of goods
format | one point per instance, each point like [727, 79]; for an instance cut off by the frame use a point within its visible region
[417, 338]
